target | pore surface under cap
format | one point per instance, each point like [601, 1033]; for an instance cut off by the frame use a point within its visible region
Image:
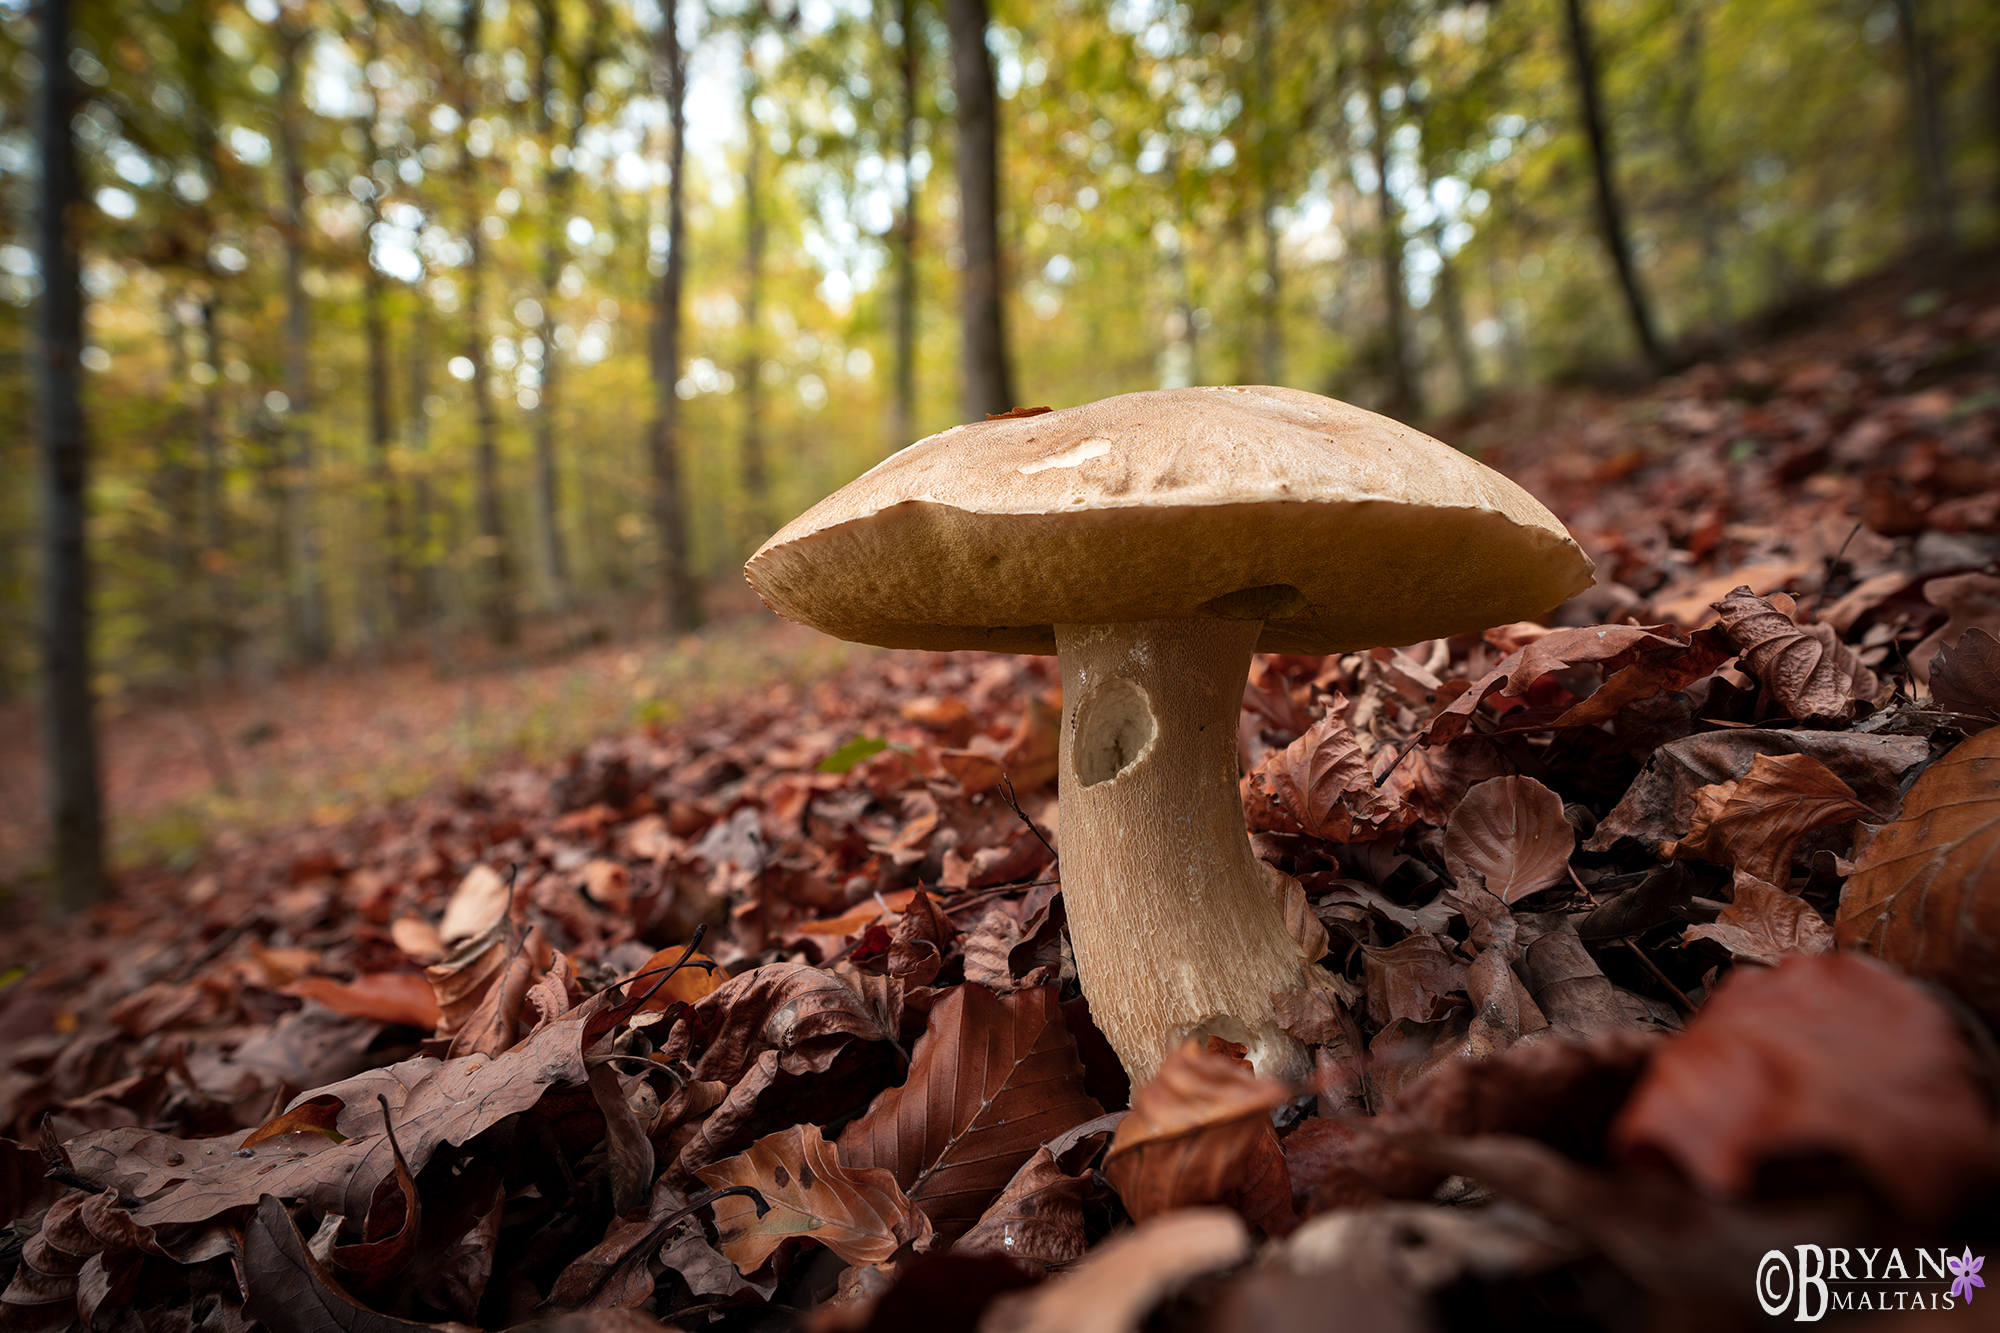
[1339, 528]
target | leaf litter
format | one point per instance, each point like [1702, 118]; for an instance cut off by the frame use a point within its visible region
[768, 1019]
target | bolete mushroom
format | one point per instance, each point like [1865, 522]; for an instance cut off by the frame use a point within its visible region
[1154, 541]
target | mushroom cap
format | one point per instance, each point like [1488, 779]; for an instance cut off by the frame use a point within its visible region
[1339, 528]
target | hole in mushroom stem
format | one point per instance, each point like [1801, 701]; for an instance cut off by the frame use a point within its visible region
[1114, 730]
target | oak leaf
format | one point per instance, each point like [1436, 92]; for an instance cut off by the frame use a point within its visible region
[1509, 835]
[1925, 894]
[1754, 822]
[859, 1213]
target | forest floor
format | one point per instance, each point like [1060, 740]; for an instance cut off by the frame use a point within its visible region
[1671, 947]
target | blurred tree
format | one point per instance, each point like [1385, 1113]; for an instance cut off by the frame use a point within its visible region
[988, 375]
[69, 727]
[305, 582]
[670, 515]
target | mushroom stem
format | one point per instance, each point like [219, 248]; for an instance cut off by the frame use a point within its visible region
[1174, 926]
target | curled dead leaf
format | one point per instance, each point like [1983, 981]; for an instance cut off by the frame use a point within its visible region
[859, 1213]
[1754, 822]
[1764, 923]
[1807, 669]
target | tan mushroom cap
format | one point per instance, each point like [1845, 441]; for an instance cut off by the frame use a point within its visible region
[1340, 528]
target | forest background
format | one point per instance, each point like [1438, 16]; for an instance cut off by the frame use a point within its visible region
[389, 340]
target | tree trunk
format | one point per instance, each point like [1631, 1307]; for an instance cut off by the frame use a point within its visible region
[1405, 397]
[555, 197]
[1457, 337]
[394, 572]
[306, 589]
[1701, 184]
[1270, 342]
[756, 484]
[1927, 129]
[1610, 211]
[218, 611]
[498, 606]
[669, 504]
[69, 731]
[989, 383]
[903, 410]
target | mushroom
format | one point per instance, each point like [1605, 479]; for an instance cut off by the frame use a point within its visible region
[1153, 541]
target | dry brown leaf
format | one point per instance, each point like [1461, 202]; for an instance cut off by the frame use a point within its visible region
[1972, 601]
[992, 1079]
[1120, 1282]
[1323, 783]
[1030, 756]
[1835, 1054]
[857, 1212]
[480, 900]
[1965, 679]
[1925, 894]
[1754, 823]
[1306, 930]
[1764, 923]
[386, 997]
[1038, 1219]
[291, 1292]
[1414, 978]
[1807, 669]
[1509, 836]
[1200, 1133]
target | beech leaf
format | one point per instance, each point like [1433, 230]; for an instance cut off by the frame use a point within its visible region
[859, 1213]
[290, 1292]
[1764, 923]
[1322, 781]
[1965, 679]
[992, 1079]
[1807, 669]
[1925, 893]
[1834, 1053]
[1509, 835]
[1200, 1133]
[1754, 822]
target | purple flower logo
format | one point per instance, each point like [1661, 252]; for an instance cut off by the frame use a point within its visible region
[1965, 1274]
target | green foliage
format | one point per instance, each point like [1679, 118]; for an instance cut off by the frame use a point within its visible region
[852, 753]
[1148, 153]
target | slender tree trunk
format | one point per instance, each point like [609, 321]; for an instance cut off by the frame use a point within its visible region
[499, 608]
[669, 504]
[555, 198]
[756, 484]
[306, 591]
[1270, 342]
[989, 382]
[903, 409]
[1610, 211]
[381, 433]
[428, 595]
[1927, 129]
[69, 730]
[1457, 337]
[1405, 397]
[219, 621]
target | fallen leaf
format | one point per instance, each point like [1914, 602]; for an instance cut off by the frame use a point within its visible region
[1754, 823]
[1659, 805]
[992, 1079]
[1829, 1054]
[386, 997]
[1971, 601]
[1199, 1132]
[1763, 923]
[1124, 1278]
[1925, 893]
[1965, 679]
[1414, 978]
[1038, 1219]
[1807, 669]
[1672, 660]
[1322, 781]
[291, 1292]
[480, 900]
[1509, 836]
[857, 1212]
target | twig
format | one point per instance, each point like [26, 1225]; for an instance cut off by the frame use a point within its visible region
[1826, 572]
[1401, 755]
[1685, 1004]
[1007, 790]
[64, 1176]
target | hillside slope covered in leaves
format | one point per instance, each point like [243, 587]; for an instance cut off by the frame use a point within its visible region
[1590, 904]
